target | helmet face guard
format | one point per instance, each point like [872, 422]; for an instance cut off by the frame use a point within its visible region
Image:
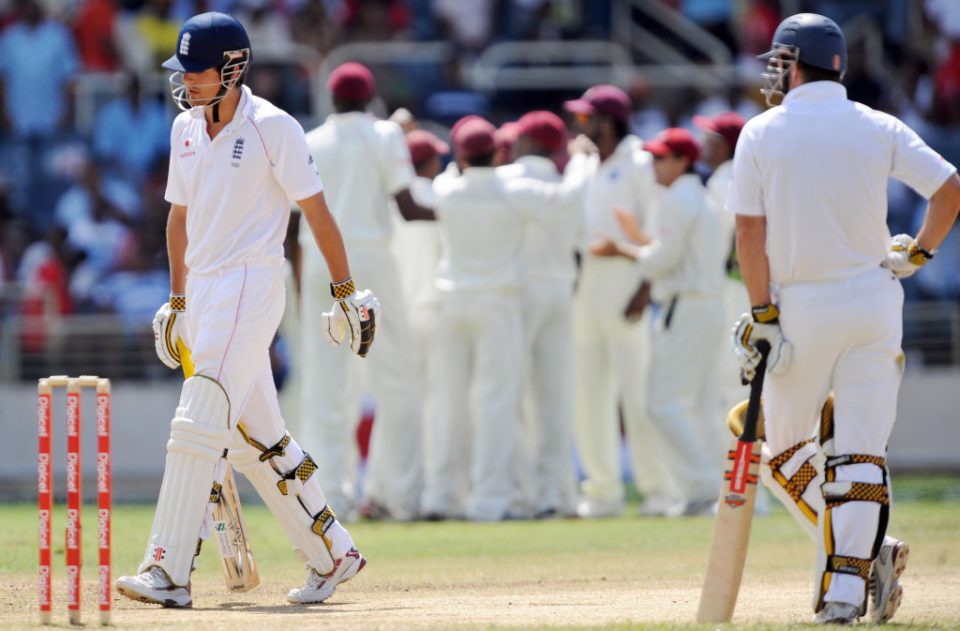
[777, 72]
[232, 72]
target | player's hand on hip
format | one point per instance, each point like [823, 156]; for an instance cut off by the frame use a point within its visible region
[167, 323]
[763, 324]
[905, 256]
[353, 317]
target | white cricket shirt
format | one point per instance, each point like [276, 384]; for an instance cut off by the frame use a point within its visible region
[816, 167]
[416, 249]
[364, 162]
[549, 246]
[238, 187]
[481, 215]
[625, 180]
[684, 257]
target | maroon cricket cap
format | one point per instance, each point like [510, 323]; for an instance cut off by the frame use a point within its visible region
[423, 145]
[546, 128]
[602, 99]
[728, 125]
[352, 82]
[506, 135]
[674, 140]
[473, 138]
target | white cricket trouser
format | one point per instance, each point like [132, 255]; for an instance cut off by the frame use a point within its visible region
[611, 357]
[231, 318]
[846, 338]
[685, 337]
[545, 452]
[478, 356]
[331, 386]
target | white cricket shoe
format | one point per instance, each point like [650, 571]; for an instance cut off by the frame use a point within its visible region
[593, 508]
[154, 586]
[837, 613]
[320, 587]
[885, 590]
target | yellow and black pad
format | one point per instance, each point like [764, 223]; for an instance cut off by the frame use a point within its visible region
[837, 493]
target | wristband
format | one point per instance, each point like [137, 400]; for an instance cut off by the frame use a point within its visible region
[918, 255]
[343, 290]
[178, 303]
[765, 314]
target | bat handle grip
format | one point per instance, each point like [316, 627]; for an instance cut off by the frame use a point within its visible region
[756, 390]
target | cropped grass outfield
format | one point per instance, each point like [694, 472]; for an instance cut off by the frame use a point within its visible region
[613, 574]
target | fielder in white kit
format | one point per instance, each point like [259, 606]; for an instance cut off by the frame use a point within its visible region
[610, 348]
[809, 190]
[364, 163]
[721, 133]
[550, 271]
[481, 216]
[236, 163]
[681, 260]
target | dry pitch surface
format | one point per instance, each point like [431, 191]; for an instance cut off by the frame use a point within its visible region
[620, 573]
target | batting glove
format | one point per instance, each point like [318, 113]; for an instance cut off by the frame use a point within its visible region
[354, 316]
[166, 330]
[762, 324]
[905, 256]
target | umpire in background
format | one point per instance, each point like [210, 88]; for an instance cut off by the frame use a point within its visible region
[809, 190]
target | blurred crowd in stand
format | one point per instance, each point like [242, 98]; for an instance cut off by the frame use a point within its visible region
[81, 210]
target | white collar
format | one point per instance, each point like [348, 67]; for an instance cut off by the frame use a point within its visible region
[816, 92]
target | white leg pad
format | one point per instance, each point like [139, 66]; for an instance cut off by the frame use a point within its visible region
[297, 509]
[198, 435]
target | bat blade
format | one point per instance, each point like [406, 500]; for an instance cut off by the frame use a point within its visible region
[731, 529]
[731, 534]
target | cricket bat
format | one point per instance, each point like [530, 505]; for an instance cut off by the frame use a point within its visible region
[236, 558]
[731, 530]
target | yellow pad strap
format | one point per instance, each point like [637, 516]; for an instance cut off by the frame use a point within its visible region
[860, 492]
[265, 452]
[849, 565]
[839, 461]
[302, 473]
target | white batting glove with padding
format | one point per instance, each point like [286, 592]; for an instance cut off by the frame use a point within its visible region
[166, 330]
[762, 324]
[353, 317]
[905, 256]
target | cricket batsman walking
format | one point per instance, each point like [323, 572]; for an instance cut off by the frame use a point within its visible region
[236, 162]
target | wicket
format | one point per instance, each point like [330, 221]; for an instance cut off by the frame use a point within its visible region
[74, 546]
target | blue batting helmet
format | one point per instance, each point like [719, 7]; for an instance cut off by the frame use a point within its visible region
[816, 41]
[205, 40]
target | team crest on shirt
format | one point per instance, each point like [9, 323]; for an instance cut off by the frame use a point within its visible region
[237, 152]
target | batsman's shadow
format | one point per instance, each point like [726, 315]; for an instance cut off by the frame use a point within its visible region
[319, 608]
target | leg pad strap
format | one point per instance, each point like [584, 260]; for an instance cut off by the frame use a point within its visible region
[266, 453]
[849, 565]
[301, 474]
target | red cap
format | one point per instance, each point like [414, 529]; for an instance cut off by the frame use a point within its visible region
[506, 135]
[352, 82]
[674, 140]
[423, 145]
[602, 99]
[727, 124]
[474, 137]
[546, 128]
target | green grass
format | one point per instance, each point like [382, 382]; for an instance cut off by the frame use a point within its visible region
[534, 560]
